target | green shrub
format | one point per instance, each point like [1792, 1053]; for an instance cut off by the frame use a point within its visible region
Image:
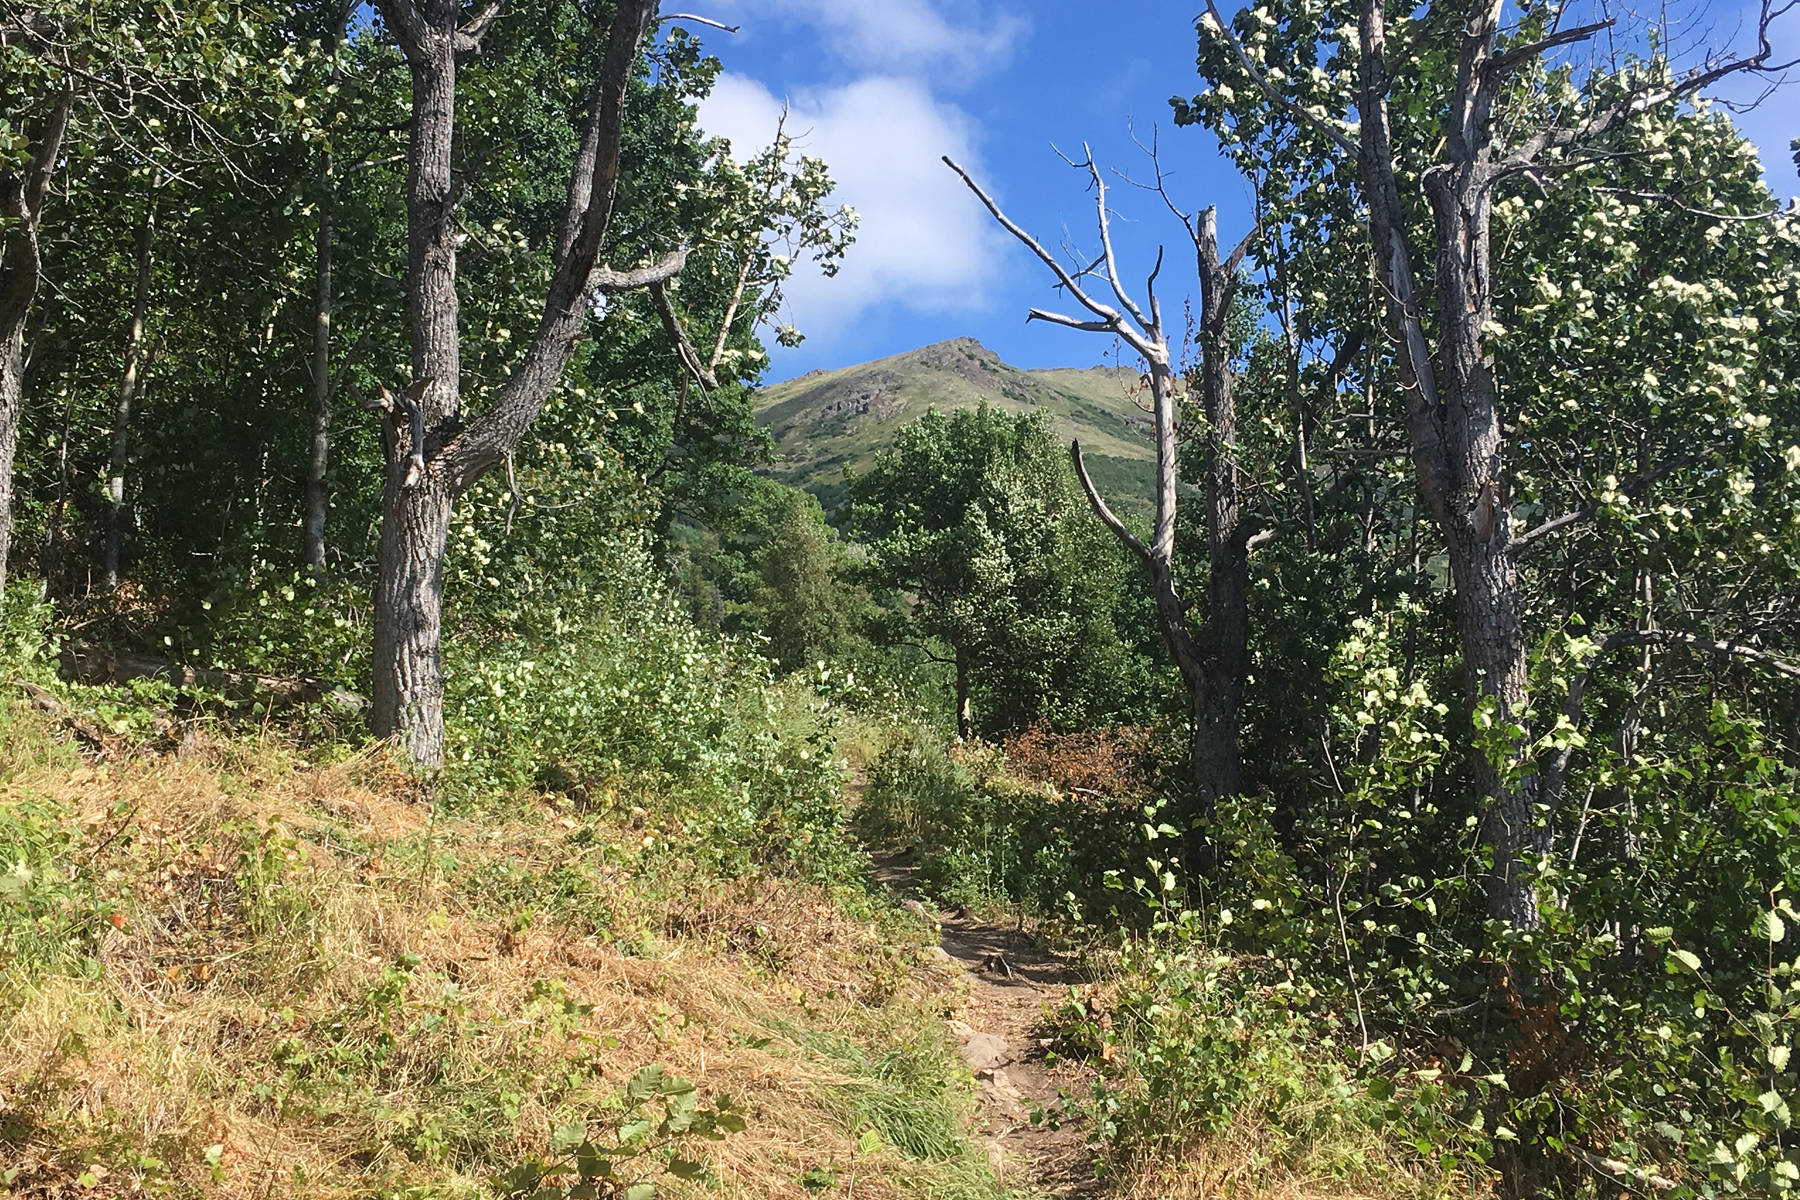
[982, 835]
[624, 694]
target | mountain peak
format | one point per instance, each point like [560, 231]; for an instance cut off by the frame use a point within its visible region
[825, 422]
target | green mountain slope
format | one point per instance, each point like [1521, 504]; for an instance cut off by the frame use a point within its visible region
[827, 422]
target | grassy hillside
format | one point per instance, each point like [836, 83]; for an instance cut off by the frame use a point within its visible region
[828, 421]
[235, 971]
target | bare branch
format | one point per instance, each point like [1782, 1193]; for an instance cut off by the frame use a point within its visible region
[1131, 540]
[1106, 246]
[1519, 55]
[605, 279]
[1111, 320]
[1038, 314]
[1611, 116]
[43, 167]
[677, 334]
[698, 20]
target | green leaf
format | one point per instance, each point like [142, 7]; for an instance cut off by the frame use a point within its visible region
[1686, 958]
[686, 1168]
[565, 1138]
[1774, 927]
[646, 1083]
[639, 1191]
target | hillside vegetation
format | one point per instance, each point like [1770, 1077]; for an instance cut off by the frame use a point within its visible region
[239, 970]
[461, 738]
[826, 423]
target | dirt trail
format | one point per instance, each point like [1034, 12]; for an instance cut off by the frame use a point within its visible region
[1000, 1025]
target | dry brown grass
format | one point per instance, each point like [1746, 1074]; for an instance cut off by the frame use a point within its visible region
[263, 901]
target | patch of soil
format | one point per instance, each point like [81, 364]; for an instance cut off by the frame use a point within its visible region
[1011, 978]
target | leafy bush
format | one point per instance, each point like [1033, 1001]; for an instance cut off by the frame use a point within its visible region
[1192, 1042]
[622, 694]
[1641, 1039]
[983, 835]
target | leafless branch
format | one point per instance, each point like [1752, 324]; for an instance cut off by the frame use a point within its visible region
[1110, 319]
[678, 338]
[1106, 514]
[1500, 64]
[1610, 116]
[698, 20]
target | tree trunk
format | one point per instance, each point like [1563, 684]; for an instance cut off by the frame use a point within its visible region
[432, 457]
[965, 717]
[12, 402]
[131, 386]
[318, 499]
[1224, 668]
[408, 694]
[1453, 421]
[22, 195]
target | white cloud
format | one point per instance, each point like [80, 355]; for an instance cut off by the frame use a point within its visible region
[923, 243]
[898, 36]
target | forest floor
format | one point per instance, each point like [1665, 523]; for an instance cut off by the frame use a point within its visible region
[1001, 1024]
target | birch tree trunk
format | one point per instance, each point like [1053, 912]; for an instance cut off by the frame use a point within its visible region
[131, 387]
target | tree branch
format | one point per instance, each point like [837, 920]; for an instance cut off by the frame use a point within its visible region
[685, 350]
[1610, 117]
[698, 20]
[1634, 488]
[1307, 117]
[578, 273]
[1110, 319]
[468, 38]
[605, 279]
[1131, 540]
[1728, 649]
[1501, 64]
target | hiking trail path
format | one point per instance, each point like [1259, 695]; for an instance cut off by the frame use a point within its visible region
[1000, 1024]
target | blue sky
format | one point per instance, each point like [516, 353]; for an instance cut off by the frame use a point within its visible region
[881, 88]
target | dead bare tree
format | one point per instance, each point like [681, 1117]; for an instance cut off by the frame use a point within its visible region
[1453, 412]
[1213, 656]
